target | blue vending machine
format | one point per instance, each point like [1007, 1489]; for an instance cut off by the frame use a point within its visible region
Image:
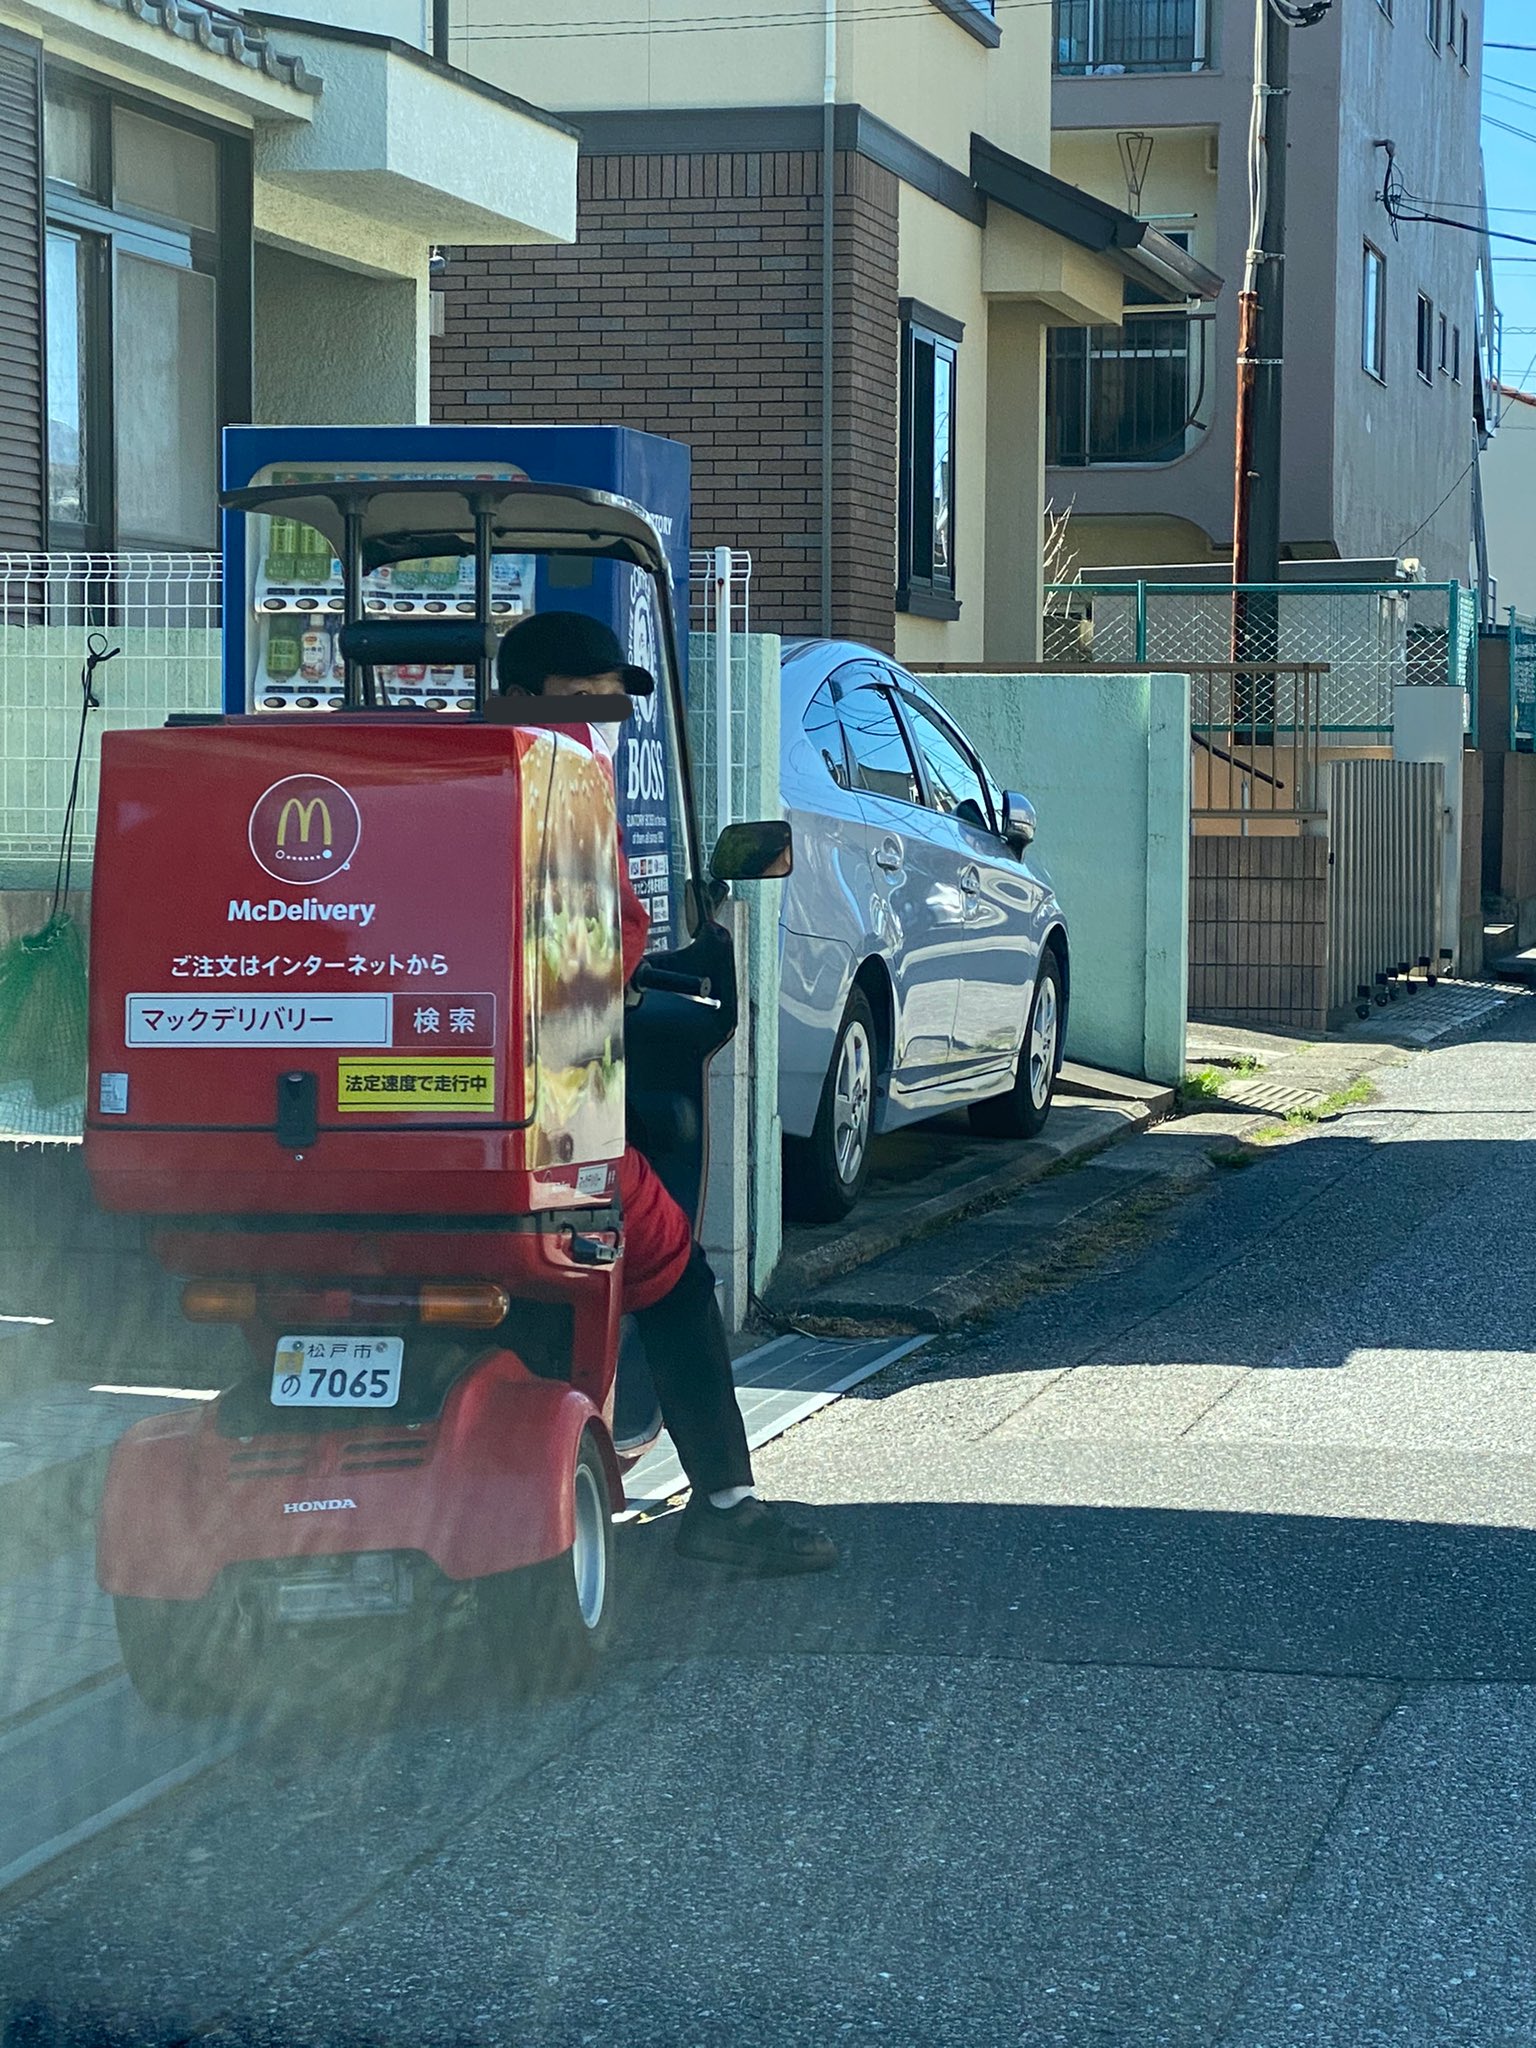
[283, 584]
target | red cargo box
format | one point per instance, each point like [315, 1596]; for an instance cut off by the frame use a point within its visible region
[367, 966]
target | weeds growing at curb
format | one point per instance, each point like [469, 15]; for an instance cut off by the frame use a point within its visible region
[1202, 1086]
[1310, 1113]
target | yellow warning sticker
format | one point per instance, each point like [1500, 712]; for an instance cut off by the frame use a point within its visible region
[407, 1085]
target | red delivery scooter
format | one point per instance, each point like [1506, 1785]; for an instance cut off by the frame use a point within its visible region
[360, 1043]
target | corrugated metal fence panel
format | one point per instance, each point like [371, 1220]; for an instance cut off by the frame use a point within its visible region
[1387, 850]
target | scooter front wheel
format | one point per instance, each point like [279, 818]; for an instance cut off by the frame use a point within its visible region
[546, 1626]
[188, 1657]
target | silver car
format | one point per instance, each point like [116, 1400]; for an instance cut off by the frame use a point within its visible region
[924, 958]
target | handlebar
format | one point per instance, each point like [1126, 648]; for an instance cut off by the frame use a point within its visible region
[695, 987]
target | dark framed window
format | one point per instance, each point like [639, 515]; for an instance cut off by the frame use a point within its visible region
[1444, 357]
[147, 316]
[1426, 339]
[1456, 355]
[1373, 312]
[1432, 20]
[930, 344]
[1386, 7]
[1466, 43]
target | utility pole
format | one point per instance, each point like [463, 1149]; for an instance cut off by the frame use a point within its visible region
[1260, 355]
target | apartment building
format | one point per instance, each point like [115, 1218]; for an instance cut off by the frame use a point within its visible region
[824, 248]
[1386, 362]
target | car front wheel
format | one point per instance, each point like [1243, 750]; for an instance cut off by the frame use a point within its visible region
[1022, 1112]
[825, 1173]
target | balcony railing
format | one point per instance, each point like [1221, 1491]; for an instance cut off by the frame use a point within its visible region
[1130, 394]
[1107, 37]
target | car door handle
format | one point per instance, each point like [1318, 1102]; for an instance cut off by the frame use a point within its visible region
[888, 857]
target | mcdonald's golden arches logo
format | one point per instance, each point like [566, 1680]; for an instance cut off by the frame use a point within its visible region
[304, 829]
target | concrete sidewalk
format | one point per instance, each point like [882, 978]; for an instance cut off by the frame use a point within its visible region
[999, 1243]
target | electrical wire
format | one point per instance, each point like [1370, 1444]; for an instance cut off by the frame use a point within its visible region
[777, 17]
[1404, 205]
[1460, 480]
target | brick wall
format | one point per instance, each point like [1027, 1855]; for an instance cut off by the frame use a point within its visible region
[1258, 931]
[690, 305]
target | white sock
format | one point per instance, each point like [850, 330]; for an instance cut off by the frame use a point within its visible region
[732, 1496]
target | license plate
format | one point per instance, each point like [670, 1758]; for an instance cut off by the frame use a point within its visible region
[337, 1372]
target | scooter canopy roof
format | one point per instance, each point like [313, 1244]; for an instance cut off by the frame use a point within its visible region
[410, 519]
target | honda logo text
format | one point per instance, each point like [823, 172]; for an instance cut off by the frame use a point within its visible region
[315, 1507]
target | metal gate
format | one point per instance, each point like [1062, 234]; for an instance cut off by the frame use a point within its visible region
[1386, 830]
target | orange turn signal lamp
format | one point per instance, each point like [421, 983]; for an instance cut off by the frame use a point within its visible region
[470, 1304]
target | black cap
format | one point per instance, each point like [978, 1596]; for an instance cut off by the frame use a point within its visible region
[564, 644]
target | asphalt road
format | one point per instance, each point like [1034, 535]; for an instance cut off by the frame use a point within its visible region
[1179, 1687]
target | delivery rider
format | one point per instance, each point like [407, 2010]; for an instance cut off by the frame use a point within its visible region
[668, 1285]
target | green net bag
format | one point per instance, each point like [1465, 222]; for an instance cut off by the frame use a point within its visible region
[43, 1000]
[43, 1012]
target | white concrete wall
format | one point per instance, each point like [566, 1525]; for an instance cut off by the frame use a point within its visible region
[398, 141]
[1428, 724]
[1509, 504]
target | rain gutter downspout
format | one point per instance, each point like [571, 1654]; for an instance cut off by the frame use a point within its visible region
[828, 214]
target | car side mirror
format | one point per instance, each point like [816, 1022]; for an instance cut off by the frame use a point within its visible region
[1018, 820]
[759, 852]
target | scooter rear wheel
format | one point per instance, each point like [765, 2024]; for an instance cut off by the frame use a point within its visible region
[187, 1657]
[546, 1626]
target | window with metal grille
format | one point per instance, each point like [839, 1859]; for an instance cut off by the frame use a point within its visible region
[1110, 36]
[1133, 393]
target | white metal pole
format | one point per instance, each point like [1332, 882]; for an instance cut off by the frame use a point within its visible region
[722, 651]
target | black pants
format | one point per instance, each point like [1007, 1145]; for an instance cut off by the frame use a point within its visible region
[690, 1361]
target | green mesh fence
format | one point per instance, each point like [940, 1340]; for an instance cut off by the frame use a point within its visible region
[1371, 636]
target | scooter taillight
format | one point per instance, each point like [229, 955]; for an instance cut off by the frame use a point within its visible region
[470, 1304]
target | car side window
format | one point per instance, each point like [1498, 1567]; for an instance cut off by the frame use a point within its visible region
[954, 777]
[825, 733]
[877, 747]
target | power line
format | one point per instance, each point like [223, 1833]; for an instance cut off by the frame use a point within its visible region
[1493, 121]
[1461, 479]
[639, 24]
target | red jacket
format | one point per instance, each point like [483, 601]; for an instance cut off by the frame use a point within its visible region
[658, 1237]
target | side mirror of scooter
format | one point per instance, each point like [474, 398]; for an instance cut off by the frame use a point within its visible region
[759, 852]
[1018, 820]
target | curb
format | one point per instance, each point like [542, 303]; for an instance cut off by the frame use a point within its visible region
[802, 1273]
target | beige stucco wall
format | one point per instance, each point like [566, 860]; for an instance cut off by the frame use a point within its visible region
[604, 60]
[913, 67]
[1179, 189]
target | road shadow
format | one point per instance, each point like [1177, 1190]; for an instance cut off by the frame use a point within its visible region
[1405, 1602]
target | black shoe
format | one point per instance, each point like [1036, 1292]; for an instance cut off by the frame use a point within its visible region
[753, 1537]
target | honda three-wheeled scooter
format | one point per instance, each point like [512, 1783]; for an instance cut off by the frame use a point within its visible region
[361, 1043]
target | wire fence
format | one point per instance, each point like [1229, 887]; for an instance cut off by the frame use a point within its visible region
[1369, 636]
[162, 613]
[720, 584]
